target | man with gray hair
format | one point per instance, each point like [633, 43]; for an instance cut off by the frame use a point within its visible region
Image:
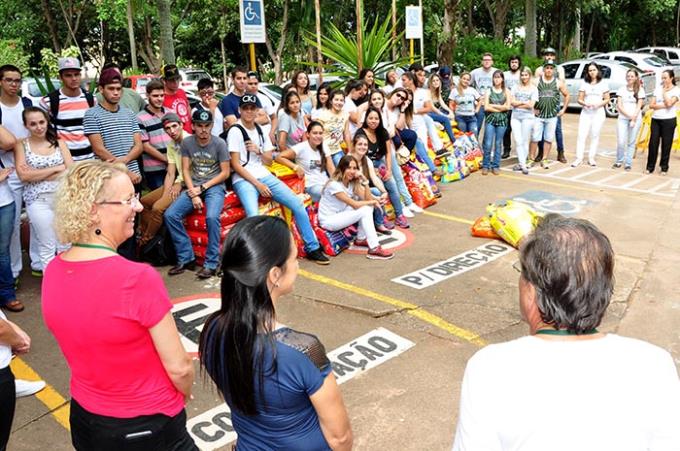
[568, 386]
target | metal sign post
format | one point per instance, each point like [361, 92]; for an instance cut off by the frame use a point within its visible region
[252, 26]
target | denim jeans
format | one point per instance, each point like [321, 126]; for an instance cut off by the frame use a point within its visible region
[336, 157]
[155, 179]
[314, 192]
[493, 143]
[445, 121]
[410, 139]
[467, 124]
[7, 213]
[392, 190]
[248, 195]
[398, 177]
[213, 198]
[480, 118]
[626, 136]
[559, 138]
[378, 213]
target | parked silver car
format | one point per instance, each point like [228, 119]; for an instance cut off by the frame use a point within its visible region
[613, 72]
[646, 62]
[672, 54]
[31, 89]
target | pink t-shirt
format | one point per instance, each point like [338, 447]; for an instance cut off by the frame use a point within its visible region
[100, 312]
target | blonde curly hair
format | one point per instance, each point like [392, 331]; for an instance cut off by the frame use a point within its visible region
[82, 185]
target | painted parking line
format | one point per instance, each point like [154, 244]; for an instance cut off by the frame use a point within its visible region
[409, 308]
[214, 429]
[607, 179]
[57, 405]
[448, 217]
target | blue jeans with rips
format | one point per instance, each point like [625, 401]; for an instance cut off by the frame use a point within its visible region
[7, 293]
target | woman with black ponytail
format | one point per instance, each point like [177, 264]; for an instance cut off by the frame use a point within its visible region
[278, 382]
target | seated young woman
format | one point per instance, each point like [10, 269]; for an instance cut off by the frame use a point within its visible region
[346, 200]
[309, 160]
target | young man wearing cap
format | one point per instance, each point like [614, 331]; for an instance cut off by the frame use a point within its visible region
[267, 106]
[11, 110]
[547, 110]
[482, 81]
[157, 201]
[511, 80]
[229, 105]
[206, 91]
[154, 139]
[175, 97]
[129, 98]
[251, 178]
[67, 106]
[205, 168]
[550, 53]
[445, 76]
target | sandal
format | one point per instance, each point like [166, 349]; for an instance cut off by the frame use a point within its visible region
[14, 306]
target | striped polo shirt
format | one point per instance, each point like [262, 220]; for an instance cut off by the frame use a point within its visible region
[152, 132]
[117, 130]
[69, 124]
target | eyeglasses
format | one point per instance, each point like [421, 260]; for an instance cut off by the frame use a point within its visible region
[402, 97]
[133, 201]
[12, 81]
[517, 266]
[206, 92]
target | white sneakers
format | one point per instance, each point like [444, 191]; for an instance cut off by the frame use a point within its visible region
[28, 388]
[407, 212]
[414, 208]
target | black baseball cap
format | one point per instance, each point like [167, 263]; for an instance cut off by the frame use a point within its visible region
[202, 117]
[247, 99]
[170, 72]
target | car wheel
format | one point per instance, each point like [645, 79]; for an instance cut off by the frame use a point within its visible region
[610, 108]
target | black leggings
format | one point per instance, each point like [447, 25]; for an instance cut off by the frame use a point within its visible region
[662, 129]
[91, 432]
[8, 397]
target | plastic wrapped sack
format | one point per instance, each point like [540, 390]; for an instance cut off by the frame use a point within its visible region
[332, 243]
[270, 208]
[512, 220]
[196, 220]
[231, 200]
[421, 194]
[483, 229]
[280, 171]
[200, 238]
[642, 142]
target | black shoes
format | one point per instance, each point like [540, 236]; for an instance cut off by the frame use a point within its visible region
[180, 268]
[318, 257]
[505, 154]
[206, 273]
[560, 157]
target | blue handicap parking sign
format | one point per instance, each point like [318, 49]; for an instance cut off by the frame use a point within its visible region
[545, 202]
[252, 12]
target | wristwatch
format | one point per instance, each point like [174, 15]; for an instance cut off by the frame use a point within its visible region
[203, 188]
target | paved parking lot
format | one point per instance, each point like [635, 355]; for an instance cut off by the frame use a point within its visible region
[399, 332]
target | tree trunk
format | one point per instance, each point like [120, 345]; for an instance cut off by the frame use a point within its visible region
[470, 23]
[319, 57]
[590, 33]
[51, 25]
[530, 18]
[131, 35]
[225, 79]
[394, 29]
[360, 36]
[576, 43]
[448, 44]
[276, 55]
[166, 39]
[677, 27]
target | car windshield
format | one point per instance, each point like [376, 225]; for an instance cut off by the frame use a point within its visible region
[275, 90]
[195, 76]
[629, 66]
[654, 61]
[141, 82]
[34, 90]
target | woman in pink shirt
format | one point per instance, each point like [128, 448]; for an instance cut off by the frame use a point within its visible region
[130, 376]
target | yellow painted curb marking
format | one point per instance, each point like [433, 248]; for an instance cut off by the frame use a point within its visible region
[411, 309]
[449, 217]
[58, 406]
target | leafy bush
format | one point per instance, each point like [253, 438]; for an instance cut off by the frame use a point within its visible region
[470, 49]
[12, 52]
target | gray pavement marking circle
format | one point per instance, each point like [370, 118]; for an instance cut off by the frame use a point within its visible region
[454, 266]
[545, 202]
[213, 429]
[398, 239]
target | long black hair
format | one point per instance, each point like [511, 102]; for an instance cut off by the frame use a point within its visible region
[381, 132]
[587, 76]
[319, 148]
[327, 87]
[51, 133]
[229, 347]
[286, 99]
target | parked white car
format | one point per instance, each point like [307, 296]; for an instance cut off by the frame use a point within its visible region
[672, 54]
[646, 62]
[613, 72]
[30, 89]
[190, 77]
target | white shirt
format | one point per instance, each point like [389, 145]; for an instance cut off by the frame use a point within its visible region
[482, 79]
[5, 350]
[269, 109]
[349, 108]
[607, 394]
[251, 161]
[524, 94]
[594, 93]
[511, 79]
[665, 113]
[628, 101]
[310, 160]
[329, 204]
[14, 123]
[420, 96]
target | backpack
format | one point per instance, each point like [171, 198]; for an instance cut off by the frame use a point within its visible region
[54, 109]
[26, 102]
[160, 250]
[246, 137]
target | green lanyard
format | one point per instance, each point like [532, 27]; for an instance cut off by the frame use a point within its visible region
[94, 246]
[564, 332]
